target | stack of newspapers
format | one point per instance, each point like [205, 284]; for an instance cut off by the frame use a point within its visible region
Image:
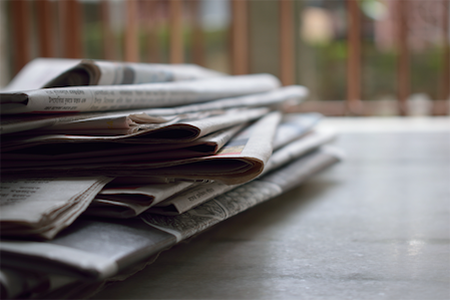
[105, 164]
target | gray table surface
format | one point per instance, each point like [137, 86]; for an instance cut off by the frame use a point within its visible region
[376, 226]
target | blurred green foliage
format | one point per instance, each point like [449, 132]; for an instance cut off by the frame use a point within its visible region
[378, 71]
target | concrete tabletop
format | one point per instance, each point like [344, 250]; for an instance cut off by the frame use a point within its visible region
[375, 226]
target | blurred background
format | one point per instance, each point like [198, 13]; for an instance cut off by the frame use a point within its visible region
[357, 57]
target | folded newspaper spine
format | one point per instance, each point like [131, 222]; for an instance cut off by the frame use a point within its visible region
[82, 252]
[98, 72]
[59, 72]
[278, 99]
[241, 160]
[41, 207]
[197, 195]
[122, 97]
[241, 198]
[125, 201]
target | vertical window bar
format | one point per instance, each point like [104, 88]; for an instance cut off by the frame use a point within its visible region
[20, 12]
[286, 22]
[45, 28]
[152, 27]
[71, 19]
[446, 61]
[108, 40]
[403, 66]
[131, 47]
[176, 32]
[354, 103]
[239, 37]
[198, 51]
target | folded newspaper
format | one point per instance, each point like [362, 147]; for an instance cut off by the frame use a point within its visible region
[133, 96]
[183, 202]
[130, 121]
[59, 153]
[183, 132]
[240, 160]
[98, 249]
[125, 201]
[61, 72]
[18, 283]
[41, 207]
